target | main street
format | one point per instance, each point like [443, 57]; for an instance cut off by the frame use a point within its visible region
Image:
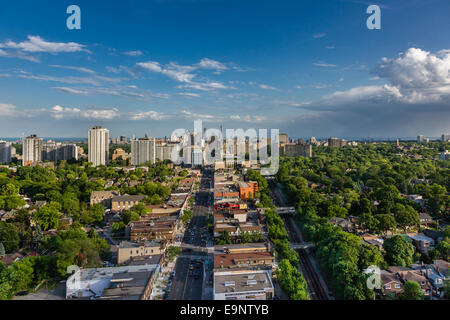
[188, 282]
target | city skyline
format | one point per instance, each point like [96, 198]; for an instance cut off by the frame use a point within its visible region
[307, 69]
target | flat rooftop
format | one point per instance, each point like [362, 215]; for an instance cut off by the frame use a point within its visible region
[232, 259]
[228, 282]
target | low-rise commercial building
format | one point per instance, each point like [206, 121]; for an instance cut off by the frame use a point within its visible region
[127, 250]
[243, 285]
[118, 283]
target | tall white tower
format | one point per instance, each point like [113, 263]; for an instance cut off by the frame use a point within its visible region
[32, 150]
[98, 146]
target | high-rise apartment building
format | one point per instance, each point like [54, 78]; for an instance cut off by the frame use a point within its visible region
[445, 137]
[143, 150]
[98, 146]
[296, 150]
[32, 150]
[5, 152]
[58, 151]
[334, 142]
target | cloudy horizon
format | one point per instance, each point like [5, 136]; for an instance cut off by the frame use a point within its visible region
[313, 71]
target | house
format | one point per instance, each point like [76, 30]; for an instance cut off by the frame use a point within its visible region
[425, 219]
[409, 274]
[345, 224]
[391, 283]
[9, 259]
[437, 236]
[422, 243]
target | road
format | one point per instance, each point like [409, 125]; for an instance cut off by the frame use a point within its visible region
[188, 284]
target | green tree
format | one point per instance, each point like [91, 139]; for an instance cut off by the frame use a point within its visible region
[398, 251]
[48, 216]
[406, 216]
[173, 252]
[9, 236]
[413, 291]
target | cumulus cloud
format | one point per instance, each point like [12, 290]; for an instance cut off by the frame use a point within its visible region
[97, 113]
[414, 98]
[8, 110]
[37, 44]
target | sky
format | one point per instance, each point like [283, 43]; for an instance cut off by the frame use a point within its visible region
[307, 68]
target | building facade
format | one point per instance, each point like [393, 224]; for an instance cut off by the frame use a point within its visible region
[5, 152]
[32, 150]
[142, 151]
[58, 151]
[98, 146]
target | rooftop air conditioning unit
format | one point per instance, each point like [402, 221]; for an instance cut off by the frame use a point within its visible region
[251, 282]
[229, 284]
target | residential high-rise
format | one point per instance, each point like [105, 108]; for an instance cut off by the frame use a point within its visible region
[32, 150]
[98, 146]
[283, 138]
[5, 152]
[296, 150]
[143, 150]
[445, 137]
[334, 142]
[420, 139]
[58, 151]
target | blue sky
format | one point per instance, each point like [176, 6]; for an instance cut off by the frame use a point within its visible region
[308, 68]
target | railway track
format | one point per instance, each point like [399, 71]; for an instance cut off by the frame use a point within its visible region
[315, 288]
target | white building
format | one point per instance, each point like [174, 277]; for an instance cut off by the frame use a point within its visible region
[143, 150]
[243, 285]
[91, 283]
[98, 146]
[5, 152]
[32, 150]
[445, 137]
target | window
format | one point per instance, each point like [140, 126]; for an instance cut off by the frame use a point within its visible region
[397, 286]
[387, 286]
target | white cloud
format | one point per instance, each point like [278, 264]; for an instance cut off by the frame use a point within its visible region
[248, 118]
[325, 65]
[37, 44]
[8, 110]
[189, 94]
[134, 53]
[71, 91]
[207, 63]
[95, 113]
[185, 73]
[148, 115]
[267, 87]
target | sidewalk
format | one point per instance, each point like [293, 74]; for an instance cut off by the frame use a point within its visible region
[162, 281]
